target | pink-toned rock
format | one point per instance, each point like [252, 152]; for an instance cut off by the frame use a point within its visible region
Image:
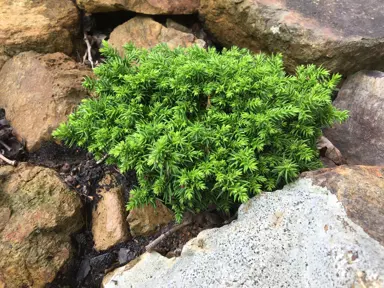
[150, 7]
[146, 33]
[38, 92]
[44, 26]
[361, 191]
[108, 218]
[305, 32]
[41, 213]
[147, 220]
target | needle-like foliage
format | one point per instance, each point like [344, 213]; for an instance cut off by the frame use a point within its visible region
[201, 127]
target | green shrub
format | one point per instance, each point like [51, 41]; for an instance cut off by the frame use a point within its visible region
[202, 127]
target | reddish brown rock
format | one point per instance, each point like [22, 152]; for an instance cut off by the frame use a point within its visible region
[147, 220]
[44, 26]
[146, 33]
[360, 139]
[39, 91]
[41, 215]
[361, 191]
[108, 218]
[305, 32]
[150, 7]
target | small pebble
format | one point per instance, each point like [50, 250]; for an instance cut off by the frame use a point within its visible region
[65, 168]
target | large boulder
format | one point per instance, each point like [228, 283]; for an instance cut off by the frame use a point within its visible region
[108, 218]
[39, 91]
[148, 219]
[150, 7]
[145, 32]
[360, 139]
[45, 26]
[317, 32]
[300, 236]
[38, 213]
[361, 191]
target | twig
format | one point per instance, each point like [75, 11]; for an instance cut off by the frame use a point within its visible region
[6, 160]
[155, 242]
[90, 198]
[89, 48]
[5, 145]
[102, 159]
[85, 56]
[208, 102]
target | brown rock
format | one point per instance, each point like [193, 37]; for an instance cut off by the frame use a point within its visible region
[39, 91]
[148, 219]
[35, 241]
[43, 26]
[305, 32]
[108, 219]
[151, 7]
[329, 151]
[360, 139]
[145, 32]
[361, 191]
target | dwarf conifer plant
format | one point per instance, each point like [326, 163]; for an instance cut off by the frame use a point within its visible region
[201, 127]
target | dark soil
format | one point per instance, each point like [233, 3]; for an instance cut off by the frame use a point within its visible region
[11, 146]
[80, 171]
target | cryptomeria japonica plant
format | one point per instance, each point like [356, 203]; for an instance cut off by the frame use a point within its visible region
[201, 127]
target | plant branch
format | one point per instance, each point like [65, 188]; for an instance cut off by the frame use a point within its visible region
[155, 242]
[102, 159]
[6, 160]
[89, 49]
[5, 145]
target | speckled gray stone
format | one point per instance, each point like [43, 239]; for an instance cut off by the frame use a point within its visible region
[297, 237]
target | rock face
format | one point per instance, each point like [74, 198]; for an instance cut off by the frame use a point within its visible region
[317, 32]
[300, 236]
[148, 219]
[360, 139]
[38, 213]
[108, 219]
[145, 32]
[44, 26]
[361, 191]
[151, 7]
[38, 92]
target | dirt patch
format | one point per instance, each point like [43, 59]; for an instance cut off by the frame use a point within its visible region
[81, 172]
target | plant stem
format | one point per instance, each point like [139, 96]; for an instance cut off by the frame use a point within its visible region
[155, 242]
[5, 159]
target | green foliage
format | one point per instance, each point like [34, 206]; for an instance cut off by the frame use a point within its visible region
[202, 127]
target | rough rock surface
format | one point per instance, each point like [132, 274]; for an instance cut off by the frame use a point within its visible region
[145, 32]
[300, 236]
[38, 213]
[360, 139]
[44, 26]
[148, 219]
[317, 32]
[108, 218]
[150, 7]
[39, 91]
[361, 190]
